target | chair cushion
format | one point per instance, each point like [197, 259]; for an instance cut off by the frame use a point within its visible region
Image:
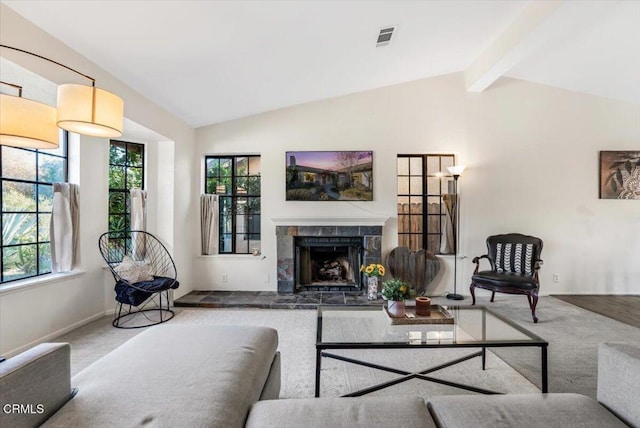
[514, 252]
[497, 279]
[131, 296]
[133, 271]
[516, 258]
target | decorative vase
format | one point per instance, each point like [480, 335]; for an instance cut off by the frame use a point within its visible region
[396, 308]
[372, 287]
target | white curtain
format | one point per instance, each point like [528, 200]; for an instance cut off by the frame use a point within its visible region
[138, 222]
[448, 243]
[209, 223]
[138, 209]
[65, 221]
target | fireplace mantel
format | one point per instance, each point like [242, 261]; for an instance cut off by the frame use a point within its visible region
[329, 221]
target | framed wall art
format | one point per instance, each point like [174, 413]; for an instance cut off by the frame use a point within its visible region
[329, 176]
[620, 174]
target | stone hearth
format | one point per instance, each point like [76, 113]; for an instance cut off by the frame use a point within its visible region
[285, 239]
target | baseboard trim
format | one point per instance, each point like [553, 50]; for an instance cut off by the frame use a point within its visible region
[53, 335]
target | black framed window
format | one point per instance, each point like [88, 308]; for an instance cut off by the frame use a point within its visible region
[236, 180]
[422, 180]
[126, 171]
[27, 177]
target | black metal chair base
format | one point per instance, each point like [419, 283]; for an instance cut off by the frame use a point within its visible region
[121, 320]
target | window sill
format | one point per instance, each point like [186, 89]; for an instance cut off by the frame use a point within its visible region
[23, 284]
[232, 256]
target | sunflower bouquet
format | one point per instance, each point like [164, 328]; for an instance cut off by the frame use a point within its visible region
[373, 269]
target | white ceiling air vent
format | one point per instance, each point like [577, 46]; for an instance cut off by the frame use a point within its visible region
[384, 37]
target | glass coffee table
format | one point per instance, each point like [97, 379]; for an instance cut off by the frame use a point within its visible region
[368, 327]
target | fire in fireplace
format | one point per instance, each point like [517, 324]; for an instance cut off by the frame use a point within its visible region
[328, 262]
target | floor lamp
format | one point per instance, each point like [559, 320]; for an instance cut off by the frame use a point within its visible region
[456, 171]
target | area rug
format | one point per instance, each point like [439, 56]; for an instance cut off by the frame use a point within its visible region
[297, 334]
[573, 333]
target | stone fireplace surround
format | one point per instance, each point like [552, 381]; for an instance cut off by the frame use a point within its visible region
[285, 241]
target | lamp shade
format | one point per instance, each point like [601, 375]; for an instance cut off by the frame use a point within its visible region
[90, 111]
[27, 123]
[456, 170]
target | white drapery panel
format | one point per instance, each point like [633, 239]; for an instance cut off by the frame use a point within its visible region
[448, 243]
[65, 222]
[209, 223]
[138, 222]
[138, 209]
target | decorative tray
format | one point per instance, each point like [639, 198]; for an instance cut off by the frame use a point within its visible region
[439, 315]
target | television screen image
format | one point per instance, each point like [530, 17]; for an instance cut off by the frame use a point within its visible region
[329, 176]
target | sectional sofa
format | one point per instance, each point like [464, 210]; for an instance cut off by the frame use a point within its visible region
[175, 376]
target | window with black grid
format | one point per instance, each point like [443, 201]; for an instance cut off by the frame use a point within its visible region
[236, 180]
[422, 180]
[27, 177]
[126, 171]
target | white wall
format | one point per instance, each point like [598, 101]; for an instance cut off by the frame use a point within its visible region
[30, 315]
[532, 156]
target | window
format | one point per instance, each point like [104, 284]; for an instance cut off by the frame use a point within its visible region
[422, 180]
[236, 179]
[126, 171]
[27, 177]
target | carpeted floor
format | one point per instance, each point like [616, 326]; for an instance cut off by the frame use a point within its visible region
[297, 332]
[573, 334]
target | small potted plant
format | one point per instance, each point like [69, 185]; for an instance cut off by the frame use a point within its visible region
[395, 292]
[373, 272]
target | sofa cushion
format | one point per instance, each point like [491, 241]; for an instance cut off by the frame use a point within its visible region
[520, 410]
[38, 381]
[340, 413]
[619, 380]
[174, 375]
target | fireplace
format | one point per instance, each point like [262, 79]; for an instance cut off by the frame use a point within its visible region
[325, 257]
[328, 262]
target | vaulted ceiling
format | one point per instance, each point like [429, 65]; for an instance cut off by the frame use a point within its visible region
[211, 61]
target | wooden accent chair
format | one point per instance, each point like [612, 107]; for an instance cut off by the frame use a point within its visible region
[515, 261]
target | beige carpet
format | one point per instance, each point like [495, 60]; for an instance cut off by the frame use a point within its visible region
[573, 334]
[297, 333]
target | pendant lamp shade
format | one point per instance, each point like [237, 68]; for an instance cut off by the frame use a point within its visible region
[90, 111]
[27, 123]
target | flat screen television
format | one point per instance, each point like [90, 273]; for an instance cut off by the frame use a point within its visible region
[329, 176]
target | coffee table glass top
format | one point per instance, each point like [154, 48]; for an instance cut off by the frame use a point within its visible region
[370, 327]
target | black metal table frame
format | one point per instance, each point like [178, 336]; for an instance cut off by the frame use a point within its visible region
[405, 376]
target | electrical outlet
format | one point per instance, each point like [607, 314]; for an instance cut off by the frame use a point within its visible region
[225, 277]
[556, 278]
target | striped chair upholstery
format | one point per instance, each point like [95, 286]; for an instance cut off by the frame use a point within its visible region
[515, 261]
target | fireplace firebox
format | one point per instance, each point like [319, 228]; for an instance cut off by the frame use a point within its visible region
[328, 262]
[325, 257]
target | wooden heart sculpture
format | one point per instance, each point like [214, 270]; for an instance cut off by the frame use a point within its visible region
[417, 268]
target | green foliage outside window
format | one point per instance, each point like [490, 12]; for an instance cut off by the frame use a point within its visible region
[126, 171]
[27, 177]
